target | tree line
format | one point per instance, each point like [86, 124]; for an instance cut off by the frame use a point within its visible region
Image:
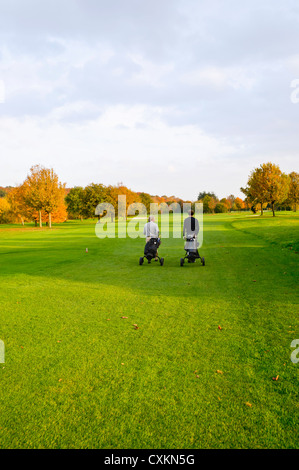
[42, 198]
[212, 205]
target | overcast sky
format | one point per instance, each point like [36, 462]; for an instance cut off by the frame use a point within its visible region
[167, 96]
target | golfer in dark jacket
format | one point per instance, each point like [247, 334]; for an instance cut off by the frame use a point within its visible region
[191, 226]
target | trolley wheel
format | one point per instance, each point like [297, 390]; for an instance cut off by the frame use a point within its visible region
[182, 262]
[161, 261]
[141, 261]
[203, 261]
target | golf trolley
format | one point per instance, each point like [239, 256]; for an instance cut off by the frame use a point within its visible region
[150, 252]
[191, 251]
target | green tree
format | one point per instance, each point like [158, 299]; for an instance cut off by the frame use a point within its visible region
[293, 194]
[74, 201]
[220, 208]
[202, 195]
[93, 195]
[209, 204]
[146, 200]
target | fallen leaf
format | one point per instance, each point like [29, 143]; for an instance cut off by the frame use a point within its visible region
[275, 378]
[60, 380]
[136, 327]
[122, 363]
[124, 317]
[219, 372]
[135, 324]
[248, 404]
[254, 280]
[219, 327]
[197, 376]
[108, 319]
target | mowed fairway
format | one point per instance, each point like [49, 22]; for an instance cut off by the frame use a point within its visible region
[78, 375]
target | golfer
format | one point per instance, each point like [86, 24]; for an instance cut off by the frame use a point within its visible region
[151, 229]
[191, 226]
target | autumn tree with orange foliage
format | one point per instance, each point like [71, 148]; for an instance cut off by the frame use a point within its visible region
[239, 204]
[121, 190]
[53, 195]
[4, 209]
[267, 184]
[18, 208]
[33, 191]
[43, 195]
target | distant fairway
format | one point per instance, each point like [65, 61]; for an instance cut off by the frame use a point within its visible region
[77, 375]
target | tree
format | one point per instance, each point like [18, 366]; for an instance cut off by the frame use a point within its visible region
[92, 195]
[255, 190]
[209, 204]
[275, 184]
[18, 207]
[4, 210]
[293, 195]
[146, 200]
[267, 184]
[74, 201]
[212, 204]
[34, 191]
[120, 190]
[230, 201]
[42, 193]
[239, 204]
[225, 202]
[202, 194]
[220, 208]
[52, 191]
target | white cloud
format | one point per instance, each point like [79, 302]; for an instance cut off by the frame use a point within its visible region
[150, 73]
[166, 96]
[221, 77]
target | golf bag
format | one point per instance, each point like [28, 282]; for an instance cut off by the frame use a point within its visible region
[151, 251]
[151, 248]
[192, 254]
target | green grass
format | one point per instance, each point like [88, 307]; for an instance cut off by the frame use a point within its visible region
[74, 379]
